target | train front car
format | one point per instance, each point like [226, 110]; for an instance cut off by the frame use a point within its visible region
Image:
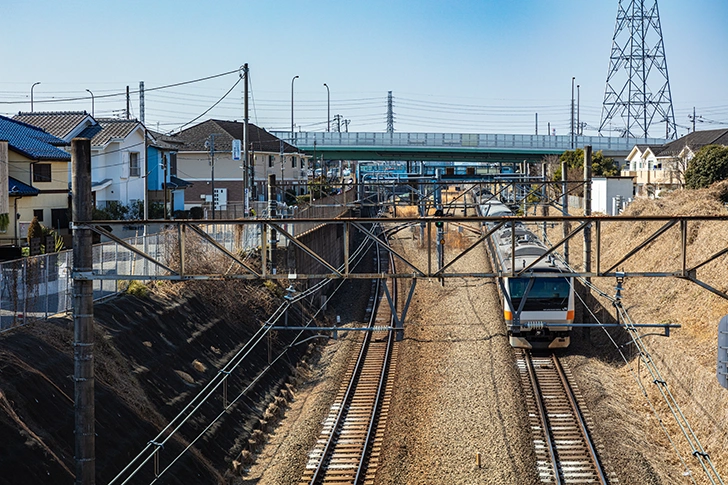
[544, 303]
[535, 302]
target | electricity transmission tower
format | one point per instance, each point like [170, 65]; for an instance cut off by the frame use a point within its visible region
[390, 113]
[637, 65]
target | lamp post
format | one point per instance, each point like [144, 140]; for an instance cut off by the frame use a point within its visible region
[92, 101]
[294, 78]
[328, 108]
[31, 95]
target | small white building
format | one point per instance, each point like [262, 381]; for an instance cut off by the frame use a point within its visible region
[611, 194]
[118, 152]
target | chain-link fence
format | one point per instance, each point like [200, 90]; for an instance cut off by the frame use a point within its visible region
[37, 287]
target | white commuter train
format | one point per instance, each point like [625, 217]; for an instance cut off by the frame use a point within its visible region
[531, 304]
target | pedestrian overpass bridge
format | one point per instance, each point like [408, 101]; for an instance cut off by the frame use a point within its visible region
[458, 147]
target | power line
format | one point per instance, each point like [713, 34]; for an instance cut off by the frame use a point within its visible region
[123, 93]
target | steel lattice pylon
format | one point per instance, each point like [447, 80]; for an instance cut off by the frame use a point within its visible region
[637, 63]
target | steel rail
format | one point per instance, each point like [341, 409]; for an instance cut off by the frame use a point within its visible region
[571, 451]
[544, 419]
[382, 382]
[320, 469]
[580, 419]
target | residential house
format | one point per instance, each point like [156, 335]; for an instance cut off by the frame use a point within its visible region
[662, 167]
[118, 154]
[163, 184]
[269, 155]
[37, 179]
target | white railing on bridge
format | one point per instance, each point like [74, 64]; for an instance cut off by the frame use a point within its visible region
[461, 141]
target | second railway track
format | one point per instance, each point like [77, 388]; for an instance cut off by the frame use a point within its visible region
[347, 450]
[564, 449]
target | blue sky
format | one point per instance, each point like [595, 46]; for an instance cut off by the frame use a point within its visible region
[463, 66]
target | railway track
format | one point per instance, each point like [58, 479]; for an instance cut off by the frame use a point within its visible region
[347, 450]
[565, 452]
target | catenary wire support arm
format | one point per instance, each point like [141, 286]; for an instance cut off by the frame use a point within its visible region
[368, 234]
[96, 228]
[554, 247]
[219, 246]
[644, 243]
[471, 247]
[304, 248]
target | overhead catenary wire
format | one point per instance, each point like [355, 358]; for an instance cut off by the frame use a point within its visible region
[193, 406]
[697, 449]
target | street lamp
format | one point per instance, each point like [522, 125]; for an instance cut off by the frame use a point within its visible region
[92, 101]
[294, 78]
[328, 108]
[31, 95]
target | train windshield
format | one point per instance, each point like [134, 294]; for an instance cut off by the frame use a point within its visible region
[545, 294]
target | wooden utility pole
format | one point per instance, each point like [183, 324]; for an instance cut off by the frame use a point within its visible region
[83, 318]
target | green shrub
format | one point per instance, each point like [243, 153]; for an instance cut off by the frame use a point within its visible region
[708, 166]
[137, 289]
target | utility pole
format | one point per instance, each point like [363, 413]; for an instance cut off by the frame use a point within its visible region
[128, 106]
[390, 113]
[346, 125]
[273, 234]
[587, 207]
[571, 131]
[164, 184]
[282, 160]
[141, 101]
[247, 172]
[536, 124]
[83, 319]
[578, 106]
[693, 119]
[211, 145]
[440, 244]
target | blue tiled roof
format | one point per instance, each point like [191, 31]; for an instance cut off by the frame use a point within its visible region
[30, 141]
[18, 188]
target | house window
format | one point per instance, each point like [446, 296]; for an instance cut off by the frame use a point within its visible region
[59, 218]
[134, 170]
[41, 172]
[271, 159]
[173, 164]
[293, 162]
[39, 214]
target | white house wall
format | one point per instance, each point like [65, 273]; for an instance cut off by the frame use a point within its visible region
[113, 163]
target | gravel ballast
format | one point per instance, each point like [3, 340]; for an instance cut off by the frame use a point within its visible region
[457, 391]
